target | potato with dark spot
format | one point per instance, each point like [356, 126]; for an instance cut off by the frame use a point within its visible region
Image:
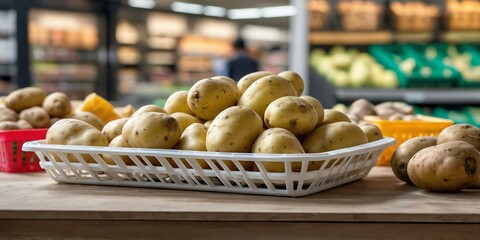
[208, 97]
[333, 116]
[36, 116]
[177, 102]
[447, 167]
[75, 132]
[249, 79]
[264, 91]
[292, 113]
[295, 79]
[373, 132]
[460, 132]
[231, 82]
[234, 130]
[23, 124]
[7, 114]
[281, 141]
[151, 130]
[118, 142]
[318, 108]
[9, 125]
[24, 98]
[184, 120]
[89, 118]
[405, 152]
[57, 104]
[114, 128]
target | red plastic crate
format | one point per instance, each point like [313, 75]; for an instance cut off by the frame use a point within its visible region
[12, 158]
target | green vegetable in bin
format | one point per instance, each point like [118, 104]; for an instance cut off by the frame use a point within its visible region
[425, 72]
[431, 53]
[359, 73]
[407, 66]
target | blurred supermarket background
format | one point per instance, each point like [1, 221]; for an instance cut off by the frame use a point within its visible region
[424, 53]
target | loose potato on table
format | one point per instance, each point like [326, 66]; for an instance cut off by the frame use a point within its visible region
[36, 116]
[292, 113]
[24, 98]
[89, 118]
[460, 132]
[277, 140]
[208, 97]
[405, 152]
[7, 114]
[447, 167]
[318, 107]
[264, 91]
[249, 79]
[75, 132]
[184, 120]
[114, 128]
[57, 104]
[151, 130]
[295, 79]
[177, 102]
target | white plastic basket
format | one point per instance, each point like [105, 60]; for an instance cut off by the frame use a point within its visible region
[176, 169]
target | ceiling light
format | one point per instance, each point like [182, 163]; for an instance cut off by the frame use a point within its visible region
[183, 7]
[148, 4]
[214, 11]
[279, 11]
[244, 13]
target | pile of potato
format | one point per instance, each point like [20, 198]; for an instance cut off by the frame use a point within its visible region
[447, 163]
[386, 110]
[262, 113]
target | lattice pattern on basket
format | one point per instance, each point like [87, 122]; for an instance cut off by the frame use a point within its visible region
[295, 175]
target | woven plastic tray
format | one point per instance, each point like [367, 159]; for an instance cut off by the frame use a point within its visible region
[226, 172]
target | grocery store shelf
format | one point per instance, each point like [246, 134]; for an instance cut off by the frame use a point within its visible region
[414, 96]
[461, 37]
[356, 38]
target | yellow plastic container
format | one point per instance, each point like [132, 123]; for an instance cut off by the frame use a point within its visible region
[403, 130]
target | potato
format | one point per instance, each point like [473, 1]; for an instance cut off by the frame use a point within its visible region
[151, 130]
[264, 91]
[23, 124]
[8, 125]
[89, 118]
[405, 152]
[118, 142]
[75, 132]
[208, 97]
[208, 123]
[231, 82]
[36, 116]
[234, 130]
[396, 116]
[125, 111]
[292, 113]
[334, 136]
[184, 120]
[373, 132]
[24, 98]
[295, 79]
[194, 138]
[114, 128]
[447, 167]
[318, 107]
[361, 108]
[177, 102]
[277, 140]
[460, 132]
[332, 116]
[248, 79]
[53, 120]
[149, 108]
[7, 114]
[57, 104]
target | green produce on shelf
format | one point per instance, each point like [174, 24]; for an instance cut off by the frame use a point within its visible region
[350, 68]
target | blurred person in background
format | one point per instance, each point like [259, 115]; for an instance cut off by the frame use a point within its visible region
[241, 62]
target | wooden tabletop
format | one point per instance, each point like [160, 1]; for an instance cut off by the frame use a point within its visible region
[380, 197]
